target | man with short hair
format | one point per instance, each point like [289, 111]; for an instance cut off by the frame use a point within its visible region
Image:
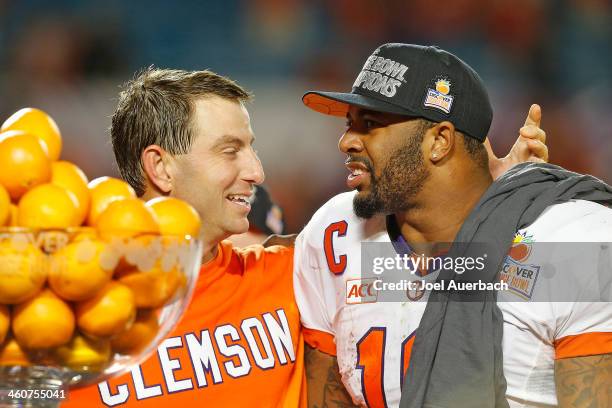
[239, 343]
[417, 120]
[188, 135]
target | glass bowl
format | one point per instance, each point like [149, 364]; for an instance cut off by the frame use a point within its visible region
[78, 307]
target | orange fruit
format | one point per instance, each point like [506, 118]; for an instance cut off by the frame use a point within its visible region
[155, 287]
[25, 163]
[5, 322]
[443, 87]
[11, 354]
[42, 322]
[52, 241]
[72, 178]
[85, 354]
[140, 335]
[38, 123]
[137, 253]
[5, 207]
[48, 206]
[109, 312]
[83, 234]
[103, 191]
[80, 269]
[12, 221]
[175, 217]
[23, 269]
[127, 218]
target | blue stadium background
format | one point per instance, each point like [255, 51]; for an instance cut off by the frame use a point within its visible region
[68, 57]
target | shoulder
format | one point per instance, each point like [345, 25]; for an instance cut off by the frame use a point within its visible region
[573, 221]
[248, 259]
[257, 254]
[253, 266]
[339, 206]
[336, 211]
[562, 255]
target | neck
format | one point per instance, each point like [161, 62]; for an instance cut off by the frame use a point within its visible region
[209, 253]
[211, 238]
[439, 210]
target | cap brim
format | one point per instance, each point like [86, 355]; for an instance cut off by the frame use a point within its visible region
[337, 103]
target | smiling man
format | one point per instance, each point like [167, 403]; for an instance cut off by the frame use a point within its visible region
[188, 135]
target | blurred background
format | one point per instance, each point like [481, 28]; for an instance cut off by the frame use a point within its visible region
[69, 58]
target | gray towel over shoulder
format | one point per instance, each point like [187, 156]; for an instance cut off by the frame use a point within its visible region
[457, 360]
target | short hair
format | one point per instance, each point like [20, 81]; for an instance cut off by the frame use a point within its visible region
[156, 107]
[474, 147]
[477, 151]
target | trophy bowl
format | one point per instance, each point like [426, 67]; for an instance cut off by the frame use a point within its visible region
[78, 307]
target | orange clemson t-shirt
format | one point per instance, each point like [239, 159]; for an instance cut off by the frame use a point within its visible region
[239, 342]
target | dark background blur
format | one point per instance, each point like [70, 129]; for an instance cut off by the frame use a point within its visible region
[69, 57]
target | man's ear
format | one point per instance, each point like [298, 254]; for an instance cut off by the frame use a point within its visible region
[441, 141]
[156, 167]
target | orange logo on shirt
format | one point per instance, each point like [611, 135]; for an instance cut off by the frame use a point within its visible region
[521, 246]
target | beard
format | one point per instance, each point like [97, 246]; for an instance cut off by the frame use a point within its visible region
[400, 181]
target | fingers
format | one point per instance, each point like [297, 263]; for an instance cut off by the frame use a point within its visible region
[538, 151]
[531, 150]
[533, 132]
[534, 116]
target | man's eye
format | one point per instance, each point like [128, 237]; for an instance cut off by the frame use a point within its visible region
[370, 123]
[230, 151]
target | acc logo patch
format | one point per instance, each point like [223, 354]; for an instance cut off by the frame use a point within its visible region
[440, 97]
[361, 291]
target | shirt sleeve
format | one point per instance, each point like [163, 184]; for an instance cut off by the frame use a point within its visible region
[311, 286]
[585, 328]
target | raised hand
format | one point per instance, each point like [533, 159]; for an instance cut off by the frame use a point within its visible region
[529, 146]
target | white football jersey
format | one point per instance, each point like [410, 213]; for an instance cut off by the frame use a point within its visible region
[373, 339]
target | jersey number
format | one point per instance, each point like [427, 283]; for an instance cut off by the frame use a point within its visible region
[371, 362]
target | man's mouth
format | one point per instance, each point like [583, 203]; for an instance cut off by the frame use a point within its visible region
[242, 200]
[359, 174]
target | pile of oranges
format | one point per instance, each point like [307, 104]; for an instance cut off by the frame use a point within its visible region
[85, 266]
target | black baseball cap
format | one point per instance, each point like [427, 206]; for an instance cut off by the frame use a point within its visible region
[417, 81]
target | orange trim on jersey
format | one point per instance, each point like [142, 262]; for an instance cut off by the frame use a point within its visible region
[320, 340]
[585, 344]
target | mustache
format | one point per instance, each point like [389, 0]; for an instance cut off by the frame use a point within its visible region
[363, 160]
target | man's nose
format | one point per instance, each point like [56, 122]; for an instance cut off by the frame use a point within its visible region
[350, 142]
[254, 172]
